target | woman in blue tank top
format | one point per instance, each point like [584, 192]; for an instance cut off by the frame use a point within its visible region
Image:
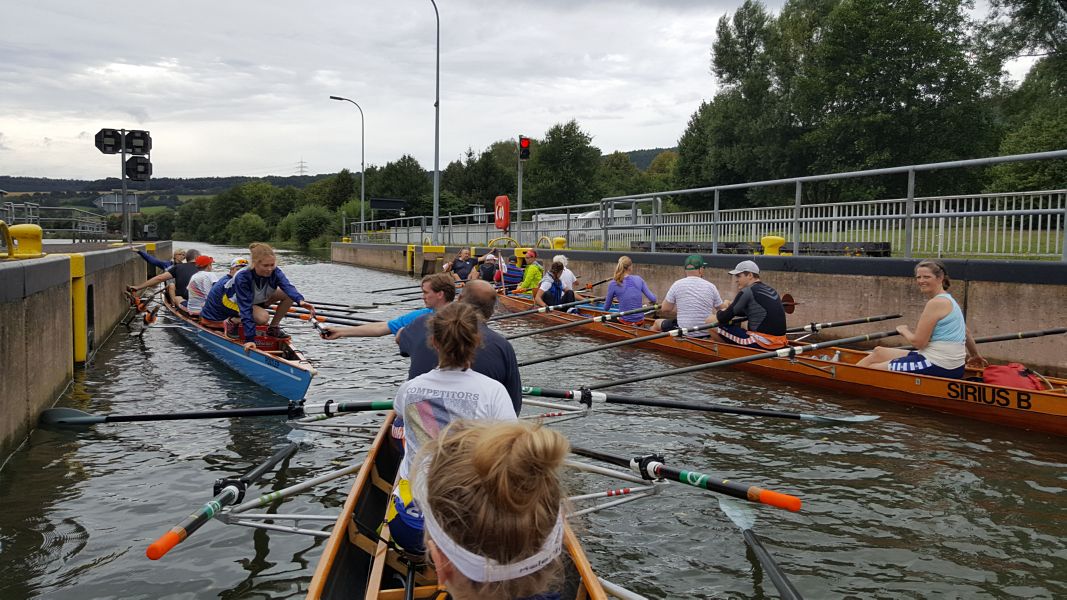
[943, 345]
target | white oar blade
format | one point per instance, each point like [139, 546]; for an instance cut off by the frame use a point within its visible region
[842, 419]
[743, 516]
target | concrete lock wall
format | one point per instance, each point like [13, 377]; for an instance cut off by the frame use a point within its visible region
[996, 296]
[54, 311]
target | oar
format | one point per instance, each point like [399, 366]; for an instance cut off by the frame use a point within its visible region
[232, 491]
[744, 517]
[408, 287]
[322, 319]
[1004, 337]
[330, 314]
[590, 286]
[787, 352]
[605, 318]
[72, 417]
[814, 327]
[651, 467]
[587, 397]
[544, 309]
[655, 336]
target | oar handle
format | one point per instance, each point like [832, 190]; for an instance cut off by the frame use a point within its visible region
[814, 327]
[157, 549]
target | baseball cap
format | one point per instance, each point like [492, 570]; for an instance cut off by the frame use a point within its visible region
[238, 262]
[745, 266]
[204, 260]
[531, 253]
[491, 257]
[694, 262]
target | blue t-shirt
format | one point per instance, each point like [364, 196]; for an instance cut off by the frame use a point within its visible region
[214, 309]
[404, 320]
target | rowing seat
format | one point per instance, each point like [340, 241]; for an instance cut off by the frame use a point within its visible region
[216, 325]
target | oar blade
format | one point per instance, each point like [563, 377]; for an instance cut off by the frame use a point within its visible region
[742, 515]
[839, 419]
[68, 417]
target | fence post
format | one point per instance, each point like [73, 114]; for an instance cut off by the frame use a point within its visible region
[715, 225]
[796, 220]
[604, 225]
[655, 221]
[568, 226]
[1064, 241]
[909, 212]
[833, 227]
[422, 228]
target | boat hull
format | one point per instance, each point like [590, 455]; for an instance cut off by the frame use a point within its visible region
[1043, 411]
[288, 376]
[354, 565]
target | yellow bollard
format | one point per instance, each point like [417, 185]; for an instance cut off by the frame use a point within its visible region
[346, 240]
[772, 244]
[23, 241]
[559, 243]
[410, 257]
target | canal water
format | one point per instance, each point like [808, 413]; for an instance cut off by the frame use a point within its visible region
[914, 505]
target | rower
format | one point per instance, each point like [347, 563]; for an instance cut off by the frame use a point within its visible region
[177, 257]
[495, 357]
[437, 291]
[256, 287]
[553, 290]
[629, 289]
[944, 346]
[218, 306]
[492, 504]
[200, 284]
[760, 304]
[533, 273]
[487, 268]
[180, 273]
[462, 266]
[691, 299]
[429, 402]
[510, 274]
[569, 278]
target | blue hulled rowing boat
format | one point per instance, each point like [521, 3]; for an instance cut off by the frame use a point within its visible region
[275, 364]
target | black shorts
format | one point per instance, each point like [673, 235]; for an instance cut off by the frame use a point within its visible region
[669, 325]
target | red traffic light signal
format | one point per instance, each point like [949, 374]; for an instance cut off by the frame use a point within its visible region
[524, 147]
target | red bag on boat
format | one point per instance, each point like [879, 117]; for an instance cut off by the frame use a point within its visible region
[1012, 375]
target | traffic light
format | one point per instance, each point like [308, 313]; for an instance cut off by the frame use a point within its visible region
[524, 147]
[108, 141]
[138, 168]
[138, 142]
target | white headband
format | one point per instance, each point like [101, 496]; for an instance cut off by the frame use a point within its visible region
[475, 567]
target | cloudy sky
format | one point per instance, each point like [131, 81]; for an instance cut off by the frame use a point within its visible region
[241, 88]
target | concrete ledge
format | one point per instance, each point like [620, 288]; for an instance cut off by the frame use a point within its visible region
[22, 278]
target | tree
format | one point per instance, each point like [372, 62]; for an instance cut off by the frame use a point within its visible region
[246, 229]
[405, 179]
[310, 222]
[619, 176]
[1045, 129]
[1037, 26]
[563, 168]
[662, 171]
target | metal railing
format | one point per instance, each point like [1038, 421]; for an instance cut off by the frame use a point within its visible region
[60, 221]
[1002, 225]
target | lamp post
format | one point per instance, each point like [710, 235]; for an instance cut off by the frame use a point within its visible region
[437, 134]
[362, 164]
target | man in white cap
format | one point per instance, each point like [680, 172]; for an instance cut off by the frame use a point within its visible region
[760, 304]
[488, 267]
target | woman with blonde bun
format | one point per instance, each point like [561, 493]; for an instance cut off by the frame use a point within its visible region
[492, 502]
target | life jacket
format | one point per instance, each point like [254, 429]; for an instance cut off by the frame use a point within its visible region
[1012, 375]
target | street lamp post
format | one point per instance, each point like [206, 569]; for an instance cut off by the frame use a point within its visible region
[362, 165]
[437, 134]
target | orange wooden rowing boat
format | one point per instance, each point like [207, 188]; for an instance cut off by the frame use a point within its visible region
[1043, 411]
[357, 563]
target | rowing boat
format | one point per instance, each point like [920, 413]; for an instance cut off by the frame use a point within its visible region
[274, 364]
[1043, 411]
[359, 563]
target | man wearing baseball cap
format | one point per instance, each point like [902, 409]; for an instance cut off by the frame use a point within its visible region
[691, 299]
[534, 273]
[760, 304]
[488, 267]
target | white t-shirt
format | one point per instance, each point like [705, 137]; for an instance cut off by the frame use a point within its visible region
[199, 286]
[695, 298]
[567, 278]
[429, 402]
